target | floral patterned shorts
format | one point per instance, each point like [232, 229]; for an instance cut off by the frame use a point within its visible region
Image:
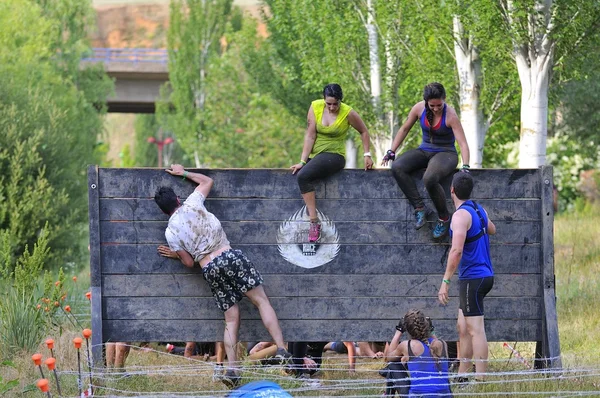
[230, 275]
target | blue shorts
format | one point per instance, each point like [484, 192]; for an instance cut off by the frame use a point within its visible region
[339, 347]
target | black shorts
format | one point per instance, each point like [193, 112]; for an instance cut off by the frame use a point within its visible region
[230, 276]
[472, 293]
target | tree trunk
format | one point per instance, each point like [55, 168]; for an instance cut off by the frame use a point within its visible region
[380, 141]
[534, 110]
[351, 154]
[534, 57]
[468, 65]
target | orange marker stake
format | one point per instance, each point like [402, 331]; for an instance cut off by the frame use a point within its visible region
[51, 364]
[37, 360]
[87, 333]
[77, 343]
[67, 311]
[50, 345]
[42, 384]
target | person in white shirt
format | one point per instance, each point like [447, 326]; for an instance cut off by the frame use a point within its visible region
[196, 237]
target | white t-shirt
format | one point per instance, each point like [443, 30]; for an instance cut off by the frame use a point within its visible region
[194, 229]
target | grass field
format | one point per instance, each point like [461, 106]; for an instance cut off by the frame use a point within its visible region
[577, 262]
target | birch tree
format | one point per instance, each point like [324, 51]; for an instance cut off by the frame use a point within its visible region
[484, 79]
[543, 32]
[359, 45]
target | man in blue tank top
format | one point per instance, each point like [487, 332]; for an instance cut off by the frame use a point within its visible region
[470, 253]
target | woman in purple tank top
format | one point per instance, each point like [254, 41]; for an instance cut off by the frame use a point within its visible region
[440, 127]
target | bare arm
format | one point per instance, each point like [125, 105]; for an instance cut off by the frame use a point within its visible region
[205, 183]
[355, 121]
[182, 255]
[437, 347]
[413, 116]
[461, 222]
[491, 227]
[309, 140]
[459, 133]
[396, 350]
[351, 355]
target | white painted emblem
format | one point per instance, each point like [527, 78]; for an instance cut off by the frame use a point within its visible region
[292, 239]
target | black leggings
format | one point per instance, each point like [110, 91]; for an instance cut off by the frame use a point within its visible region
[321, 166]
[299, 350]
[438, 165]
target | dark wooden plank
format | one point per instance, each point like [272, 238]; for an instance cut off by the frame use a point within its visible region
[277, 285]
[314, 308]
[489, 183]
[240, 183]
[511, 232]
[262, 209]
[298, 330]
[95, 262]
[336, 209]
[280, 183]
[352, 259]
[550, 317]
[257, 232]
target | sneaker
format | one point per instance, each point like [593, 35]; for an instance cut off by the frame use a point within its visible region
[218, 371]
[421, 217]
[463, 383]
[314, 232]
[231, 379]
[441, 229]
[282, 356]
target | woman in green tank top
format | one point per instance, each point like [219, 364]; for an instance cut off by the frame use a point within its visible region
[324, 148]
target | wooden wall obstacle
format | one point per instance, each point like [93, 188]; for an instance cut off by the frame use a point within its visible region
[369, 269]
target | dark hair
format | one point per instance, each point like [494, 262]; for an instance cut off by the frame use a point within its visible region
[333, 90]
[463, 185]
[417, 325]
[432, 91]
[166, 199]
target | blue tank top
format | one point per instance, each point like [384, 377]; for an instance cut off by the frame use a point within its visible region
[475, 262]
[440, 138]
[428, 375]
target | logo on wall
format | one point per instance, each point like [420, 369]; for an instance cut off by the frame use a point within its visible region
[292, 239]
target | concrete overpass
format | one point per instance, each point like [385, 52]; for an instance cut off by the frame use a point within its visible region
[138, 72]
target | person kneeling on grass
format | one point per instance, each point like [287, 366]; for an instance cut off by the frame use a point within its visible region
[424, 356]
[195, 236]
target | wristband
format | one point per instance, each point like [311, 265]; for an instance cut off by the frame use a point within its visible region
[466, 166]
[446, 281]
[367, 154]
[303, 162]
[185, 173]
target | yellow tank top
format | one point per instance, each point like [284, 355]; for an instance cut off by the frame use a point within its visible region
[331, 138]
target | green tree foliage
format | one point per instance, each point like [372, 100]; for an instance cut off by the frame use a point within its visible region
[196, 27]
[220, 117]
[314, 43]
[49, 126]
